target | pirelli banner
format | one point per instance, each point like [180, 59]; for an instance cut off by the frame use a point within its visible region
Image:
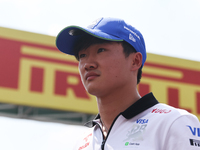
[34, 73]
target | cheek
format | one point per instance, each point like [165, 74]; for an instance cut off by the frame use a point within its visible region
[118, 68]
[117, 63]
[114, 68]
[80, 69]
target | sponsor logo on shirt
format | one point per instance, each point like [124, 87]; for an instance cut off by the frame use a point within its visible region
[135, 134]
[160, 111]
[84, 146]
[194, 131]
[86, 139]
[131, 143]
[194, 142]
[142, 121]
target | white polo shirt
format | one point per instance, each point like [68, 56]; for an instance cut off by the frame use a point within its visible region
[146, 125]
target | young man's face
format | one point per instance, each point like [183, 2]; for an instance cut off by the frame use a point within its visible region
[104, 69]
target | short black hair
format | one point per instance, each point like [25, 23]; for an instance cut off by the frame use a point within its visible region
[87, 40]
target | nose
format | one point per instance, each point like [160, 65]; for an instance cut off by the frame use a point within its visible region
[90, 66]
[90, 62]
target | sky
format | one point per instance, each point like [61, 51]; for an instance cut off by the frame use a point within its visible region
[169, 27]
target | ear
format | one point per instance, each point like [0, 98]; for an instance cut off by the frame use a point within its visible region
[136, 61]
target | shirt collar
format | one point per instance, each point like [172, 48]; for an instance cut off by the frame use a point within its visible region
[139, 106]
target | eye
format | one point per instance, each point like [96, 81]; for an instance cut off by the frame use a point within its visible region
[82, 55]
[100, 50]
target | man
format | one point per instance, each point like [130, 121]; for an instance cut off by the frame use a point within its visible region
[111, 55]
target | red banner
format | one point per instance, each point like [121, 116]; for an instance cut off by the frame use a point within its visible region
[34, 73]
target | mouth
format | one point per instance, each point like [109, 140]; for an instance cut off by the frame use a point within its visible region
[91, 75]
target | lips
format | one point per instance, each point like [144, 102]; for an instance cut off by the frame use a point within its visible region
[91, 75]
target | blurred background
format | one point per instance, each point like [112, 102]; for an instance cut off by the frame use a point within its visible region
[38, 111]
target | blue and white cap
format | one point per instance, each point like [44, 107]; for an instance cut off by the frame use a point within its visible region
[111, 29]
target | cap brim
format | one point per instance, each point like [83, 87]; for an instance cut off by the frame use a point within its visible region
[66, 42]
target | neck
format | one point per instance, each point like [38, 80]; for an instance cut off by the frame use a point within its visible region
[111, 105]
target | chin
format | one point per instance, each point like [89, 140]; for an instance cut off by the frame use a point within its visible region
[94, 91]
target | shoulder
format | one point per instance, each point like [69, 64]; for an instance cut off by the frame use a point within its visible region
[173, 118]
[170, 111]
[183, 129]
[178, 128]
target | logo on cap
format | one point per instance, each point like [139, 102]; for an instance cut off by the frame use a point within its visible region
[131, 38]
[94, 23]
[132, 32]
